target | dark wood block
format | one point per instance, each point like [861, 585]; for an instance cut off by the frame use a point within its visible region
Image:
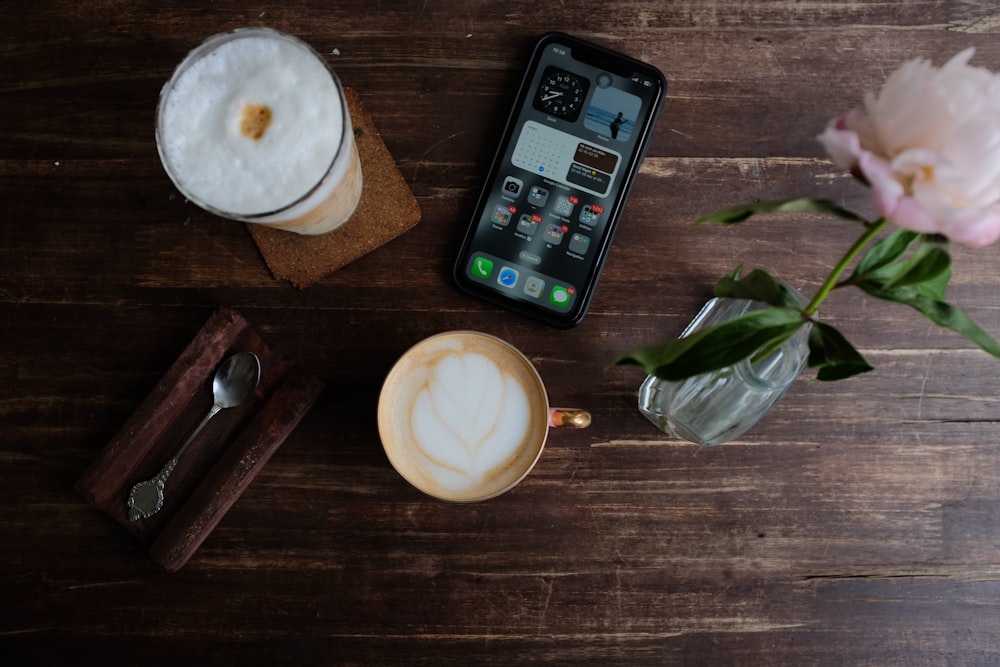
[223, 459]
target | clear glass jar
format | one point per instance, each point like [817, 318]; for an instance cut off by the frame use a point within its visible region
[715, 407]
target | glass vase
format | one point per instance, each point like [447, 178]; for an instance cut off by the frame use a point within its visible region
[715, 407]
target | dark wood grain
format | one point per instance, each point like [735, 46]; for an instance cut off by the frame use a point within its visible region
[857, 524]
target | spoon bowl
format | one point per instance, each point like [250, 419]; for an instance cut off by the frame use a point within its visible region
[236, 380]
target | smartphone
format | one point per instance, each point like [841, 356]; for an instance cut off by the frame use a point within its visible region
[579, 128]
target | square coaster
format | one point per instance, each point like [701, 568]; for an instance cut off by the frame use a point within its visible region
[221, 461]
[387, 209]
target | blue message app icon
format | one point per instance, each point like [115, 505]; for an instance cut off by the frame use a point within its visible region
[507, 277]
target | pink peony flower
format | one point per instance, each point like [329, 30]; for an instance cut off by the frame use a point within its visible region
[928, 144]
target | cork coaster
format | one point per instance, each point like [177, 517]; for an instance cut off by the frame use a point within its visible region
[387, 209]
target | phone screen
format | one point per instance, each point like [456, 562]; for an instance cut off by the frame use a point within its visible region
[573, 143]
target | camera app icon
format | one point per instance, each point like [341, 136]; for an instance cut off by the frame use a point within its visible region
[512, 186]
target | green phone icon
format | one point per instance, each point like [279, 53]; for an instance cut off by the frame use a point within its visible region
[482, 267]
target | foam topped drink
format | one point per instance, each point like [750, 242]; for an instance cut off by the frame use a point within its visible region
[463, 416]
[253, 126]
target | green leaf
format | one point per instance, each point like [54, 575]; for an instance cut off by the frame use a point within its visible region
[935, 288]
[939, 312]
[886, 265]
[919, 281]
[738, 214]
[716, 347]
[886, 251]
[923, 269]
[833, 355]
[757, 285]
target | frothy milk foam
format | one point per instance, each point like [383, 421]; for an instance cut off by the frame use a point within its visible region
[252, 124]
[463, 416]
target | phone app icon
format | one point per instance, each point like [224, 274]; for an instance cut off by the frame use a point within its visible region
[534, 286]
[554, 234]
[591, 213]
[579, 244]
[482, 267]
[501, 215]
[512, 186]
[537, 195]
[528, 223]
[560, 296]
[507, 277]
[564, 205]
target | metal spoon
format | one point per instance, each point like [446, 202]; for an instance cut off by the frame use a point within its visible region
[235, 381]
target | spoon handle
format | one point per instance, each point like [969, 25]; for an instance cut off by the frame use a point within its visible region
[146, 498]
[169, 466]
[194, 434]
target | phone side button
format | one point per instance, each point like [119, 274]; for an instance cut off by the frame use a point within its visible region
[530, 258]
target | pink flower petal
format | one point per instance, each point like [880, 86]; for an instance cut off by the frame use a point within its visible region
[908, 213]
[978, 231]
[928, 145]
[843, 146]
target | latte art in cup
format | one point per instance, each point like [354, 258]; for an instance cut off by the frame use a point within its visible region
[253, 125]
[463, 416]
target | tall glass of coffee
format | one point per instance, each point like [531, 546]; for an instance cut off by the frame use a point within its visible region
[253, 125]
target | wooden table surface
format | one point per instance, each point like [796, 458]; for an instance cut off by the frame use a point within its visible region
[857, 524]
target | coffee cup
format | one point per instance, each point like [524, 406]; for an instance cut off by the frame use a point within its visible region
[254, 126]
[464, 416]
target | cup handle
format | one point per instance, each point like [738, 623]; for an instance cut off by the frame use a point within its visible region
[569, 417]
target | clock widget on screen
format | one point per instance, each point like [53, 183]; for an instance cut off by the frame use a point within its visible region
[561, 93]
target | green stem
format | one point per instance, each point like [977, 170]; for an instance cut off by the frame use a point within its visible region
[871, 231]
[831, 282]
